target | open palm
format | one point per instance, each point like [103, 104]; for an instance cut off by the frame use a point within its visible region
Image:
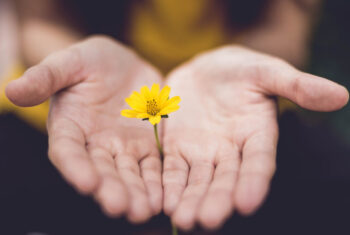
[95, 149]
[220, 147]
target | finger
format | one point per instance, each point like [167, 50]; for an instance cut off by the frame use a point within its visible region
[68, 153]
[59, 70]
[308, 91]
[151, 173]
[111, 192]
[129, 170]
[212, 214]
[200, 176]
[256, 171]
[175, 174]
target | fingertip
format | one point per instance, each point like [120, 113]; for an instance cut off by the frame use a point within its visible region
[75, 168]
[250, 195]
[212, 215]
[320, 94]
[112, 196]
[32, 88]
[114, 205]
[343, 96]
[151, 174]
[155, 196]
[86, 181]
[156, 202]
[139, 210]
[140, 216]
[211, 225]
[11, 92]
[244, 206]
[246, 210]
[167, 210]
[170, 202]
[175, 177]
[336, 97]
[209, 220]
[112, 210]
[183, 221]
[184, 215]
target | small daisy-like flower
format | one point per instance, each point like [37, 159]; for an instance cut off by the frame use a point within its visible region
[151, 104]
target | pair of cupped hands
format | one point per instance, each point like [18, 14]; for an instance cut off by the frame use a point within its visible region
[219, 147]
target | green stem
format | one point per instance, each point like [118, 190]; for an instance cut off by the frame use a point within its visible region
[160, 149]
[174, 229]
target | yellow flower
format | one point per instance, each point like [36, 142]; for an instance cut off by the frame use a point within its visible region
[151, 104]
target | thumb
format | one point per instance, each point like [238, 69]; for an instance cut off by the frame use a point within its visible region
[307, 90]
[58, 71]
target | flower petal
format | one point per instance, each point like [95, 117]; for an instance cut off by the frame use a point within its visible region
[154, 119]
[143, 115]
[155, 90]
[163, 96]
[145, 93]
[136, 105]
[129, 113]
[169, 109]
[137, 97]
[173, 101]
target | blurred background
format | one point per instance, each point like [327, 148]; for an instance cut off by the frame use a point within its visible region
[311, 190]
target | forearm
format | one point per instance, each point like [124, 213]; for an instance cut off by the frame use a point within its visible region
[8, 38]
[285, 30]
[43, 29]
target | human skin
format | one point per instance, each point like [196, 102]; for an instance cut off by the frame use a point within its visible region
[220, 147]
[225, 121]
[8, 38]
[284, 30]
[239, 125]
[100, 153]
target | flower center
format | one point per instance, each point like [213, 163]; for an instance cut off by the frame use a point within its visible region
[152, 107]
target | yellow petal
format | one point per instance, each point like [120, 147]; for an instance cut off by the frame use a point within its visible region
[145, 93]
[163, 96]
[154, 119]
[143, 115]
[155, 90]
[129, 113]
[137, 97]
[173, 101]
[135, 104]
[169, 109]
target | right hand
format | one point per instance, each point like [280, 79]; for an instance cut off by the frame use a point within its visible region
[96, 150]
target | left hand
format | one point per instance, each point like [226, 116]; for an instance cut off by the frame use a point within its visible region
[220, 147]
